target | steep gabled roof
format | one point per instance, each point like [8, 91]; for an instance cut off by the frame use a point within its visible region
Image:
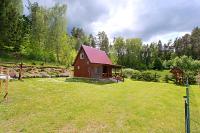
[95, 55]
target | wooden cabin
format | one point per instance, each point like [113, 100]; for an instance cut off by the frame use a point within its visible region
[93, 63]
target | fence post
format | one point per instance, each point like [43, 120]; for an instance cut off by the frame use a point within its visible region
[187, 108]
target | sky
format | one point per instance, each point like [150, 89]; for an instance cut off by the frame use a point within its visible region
[151, 20]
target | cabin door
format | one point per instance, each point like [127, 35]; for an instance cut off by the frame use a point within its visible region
[97, 72]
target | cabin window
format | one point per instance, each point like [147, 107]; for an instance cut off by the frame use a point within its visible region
[81, 55]
[78, 67]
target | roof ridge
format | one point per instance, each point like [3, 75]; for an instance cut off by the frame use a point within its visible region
[96, 55]
[94, 48]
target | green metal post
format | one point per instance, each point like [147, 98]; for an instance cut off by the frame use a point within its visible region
[187, 107]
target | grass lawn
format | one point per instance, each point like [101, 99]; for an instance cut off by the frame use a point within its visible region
[57, 105]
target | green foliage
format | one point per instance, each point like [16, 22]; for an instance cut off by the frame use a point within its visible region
[103, 41]
[81, 37]
[157, 64]
[166, 79]
[186, 63]
[191, 75]
[149, 76]
[144, 76]
[198, 78]
[42, 36]
[189, 45]
[113, 55]
[10, 25]
[128, 72]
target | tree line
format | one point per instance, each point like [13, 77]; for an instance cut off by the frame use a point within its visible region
[42, 35]
[133, 53]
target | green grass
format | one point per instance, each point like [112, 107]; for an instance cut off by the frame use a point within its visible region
[59, 105]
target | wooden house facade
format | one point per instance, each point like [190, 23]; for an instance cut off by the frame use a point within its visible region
[93, 63]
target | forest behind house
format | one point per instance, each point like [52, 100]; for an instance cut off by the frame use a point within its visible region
[41, 35]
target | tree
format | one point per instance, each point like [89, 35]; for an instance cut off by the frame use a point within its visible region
[195, 41]
[80, 36]
[133, 53]
[160, 48]
[39, 32]
[58, 28]
[92, 41]
[103, 41]
[10, 25]
[119, 48]
[157, 64]
[183, 45]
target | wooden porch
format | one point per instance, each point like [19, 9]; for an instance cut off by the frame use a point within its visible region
[113, 71]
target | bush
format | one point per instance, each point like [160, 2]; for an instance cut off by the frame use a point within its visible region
[191, 77]
[166, 79]
[33, 63]
[150, 76]
[185, 63]
[42, 64]
[137, 75]
[157, 64]
[198, 78]
[145, 76]
[128, 73]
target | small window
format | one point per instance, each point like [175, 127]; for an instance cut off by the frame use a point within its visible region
[81, 55]
[78, 67]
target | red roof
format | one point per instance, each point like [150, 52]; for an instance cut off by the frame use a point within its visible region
[96, 56]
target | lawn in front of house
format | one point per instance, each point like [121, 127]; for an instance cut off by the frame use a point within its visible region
[60, 105]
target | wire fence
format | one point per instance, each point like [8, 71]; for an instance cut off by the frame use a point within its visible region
[194, 112]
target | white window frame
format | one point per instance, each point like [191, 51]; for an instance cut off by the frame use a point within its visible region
[81, 55]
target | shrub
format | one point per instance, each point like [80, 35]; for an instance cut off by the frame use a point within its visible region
[185, 63]
[191, 77]
[136, 75]
[128, 73]
[150, 76]
[42, 63]
[157, 64]
[166, 79]
[145, 76]
[33, 63]
[198, 78]
[167, 64]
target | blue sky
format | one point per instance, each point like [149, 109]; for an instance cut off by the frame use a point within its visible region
[150, 20]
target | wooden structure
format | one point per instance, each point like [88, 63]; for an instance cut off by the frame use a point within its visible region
[178, 74]
[4, 79]
[94, 63]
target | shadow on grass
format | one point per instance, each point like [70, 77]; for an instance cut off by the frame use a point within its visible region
[90, 81]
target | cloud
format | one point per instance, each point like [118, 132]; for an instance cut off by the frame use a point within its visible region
[146, 19]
